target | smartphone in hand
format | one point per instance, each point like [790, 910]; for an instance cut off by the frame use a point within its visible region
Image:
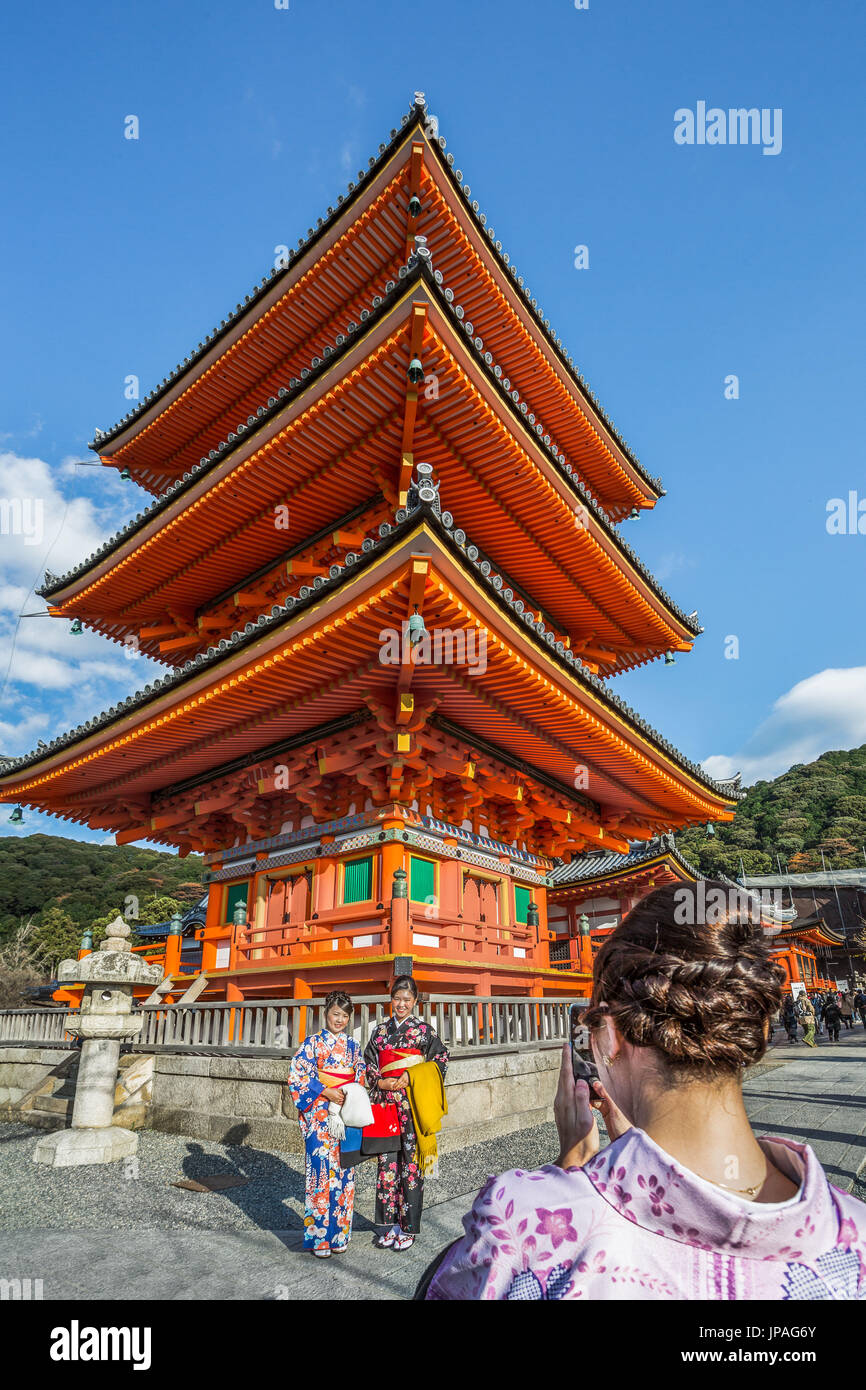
[581, 1056]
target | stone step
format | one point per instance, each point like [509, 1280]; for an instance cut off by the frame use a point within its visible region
[55, 1105]
[43, 1119]
[131, 1116]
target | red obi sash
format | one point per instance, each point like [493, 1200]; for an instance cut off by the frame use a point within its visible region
[395, 1060]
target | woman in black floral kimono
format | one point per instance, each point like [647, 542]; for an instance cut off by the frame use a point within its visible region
[400, 1181]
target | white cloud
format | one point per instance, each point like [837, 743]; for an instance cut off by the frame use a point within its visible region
[51, 680]
[821, 713]
[671, 563]
[39, 526]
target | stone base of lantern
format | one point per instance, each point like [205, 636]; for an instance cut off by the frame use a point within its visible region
[68, 1148]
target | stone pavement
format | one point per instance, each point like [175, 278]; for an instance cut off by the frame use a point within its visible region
[816, 1096]
[89, 1234]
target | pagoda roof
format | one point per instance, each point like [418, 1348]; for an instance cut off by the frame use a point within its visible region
[505, 422]
[250, 336]
[608, 865]
[287, 669]
[813, 930]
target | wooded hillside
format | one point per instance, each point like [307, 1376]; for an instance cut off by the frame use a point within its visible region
[812, 806]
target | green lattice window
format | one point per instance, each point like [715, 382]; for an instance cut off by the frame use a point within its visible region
[236, 896]
[358, 881]
[422, 879]
[521, 903]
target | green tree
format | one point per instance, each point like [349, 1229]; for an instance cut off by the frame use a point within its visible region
[56, 937]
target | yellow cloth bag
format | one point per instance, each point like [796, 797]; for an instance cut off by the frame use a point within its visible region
[426, 1092]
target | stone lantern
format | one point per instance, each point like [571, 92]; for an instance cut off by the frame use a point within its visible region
[105, 1019]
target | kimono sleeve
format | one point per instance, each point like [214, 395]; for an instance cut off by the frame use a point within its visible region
[304, 1084]
[371, 1058]
[437, 1052]
[482, 1264]
[359, 1064]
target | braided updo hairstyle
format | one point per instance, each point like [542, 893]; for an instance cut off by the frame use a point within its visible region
[699, 991]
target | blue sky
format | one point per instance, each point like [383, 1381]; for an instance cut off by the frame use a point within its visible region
[117, 256]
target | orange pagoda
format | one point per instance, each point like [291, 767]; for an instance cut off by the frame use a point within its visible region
[383, 568]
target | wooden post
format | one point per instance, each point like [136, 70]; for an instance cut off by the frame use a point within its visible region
[234, 993]
[173, 943]
[391, 859]
[300, 990]
[481, 987]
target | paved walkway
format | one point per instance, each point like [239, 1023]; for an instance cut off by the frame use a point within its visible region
[816, 1096]
[105, 1233]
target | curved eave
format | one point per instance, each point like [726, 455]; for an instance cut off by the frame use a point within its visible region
[262, 297]
[653, 758]
[418, 283]
[580, 887]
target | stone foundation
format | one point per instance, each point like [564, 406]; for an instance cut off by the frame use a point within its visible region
[244, 1100]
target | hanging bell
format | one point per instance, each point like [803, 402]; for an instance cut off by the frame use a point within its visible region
[414, 206]
[415, 372]
[125, 475]
[669, 659]
[634, 514]
[76, 628]
[417, 630]
[711, 829]
[17, 817]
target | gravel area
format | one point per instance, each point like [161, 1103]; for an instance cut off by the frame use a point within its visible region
[131, 1196]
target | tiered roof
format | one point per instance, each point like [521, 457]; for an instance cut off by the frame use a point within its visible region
[318, 658]
[296, 312]
[341, 428]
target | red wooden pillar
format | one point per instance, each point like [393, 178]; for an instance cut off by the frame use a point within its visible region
[300, 990]
[395, 886]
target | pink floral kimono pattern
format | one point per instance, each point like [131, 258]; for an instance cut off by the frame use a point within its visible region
[330, 1189]
[634, 1224]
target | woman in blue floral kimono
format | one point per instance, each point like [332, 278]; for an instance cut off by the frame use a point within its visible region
[325, 1062]
[400, 1181]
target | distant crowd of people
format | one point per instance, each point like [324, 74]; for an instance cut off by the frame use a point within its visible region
[832, 1010]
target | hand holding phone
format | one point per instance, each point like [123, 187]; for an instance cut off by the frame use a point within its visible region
[581, 1056]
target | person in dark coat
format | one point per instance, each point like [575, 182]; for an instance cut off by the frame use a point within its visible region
[860, 1005]
[818, 1005]
[790, 1018]
[832, 1018]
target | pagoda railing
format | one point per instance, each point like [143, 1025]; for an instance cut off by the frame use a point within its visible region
[255, 946]
[466, 1024]
[35, 1028]
[454, 937]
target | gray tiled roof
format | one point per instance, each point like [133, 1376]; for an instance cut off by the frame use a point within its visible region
[586, 867]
